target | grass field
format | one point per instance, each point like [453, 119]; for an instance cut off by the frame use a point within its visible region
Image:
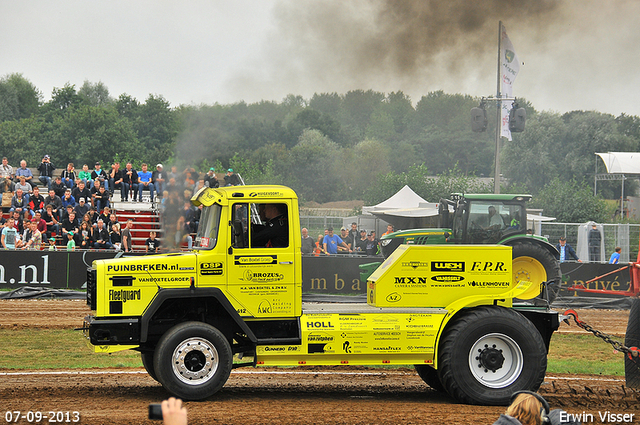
[66, 349]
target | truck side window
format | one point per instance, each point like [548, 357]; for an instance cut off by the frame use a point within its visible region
[272, 230]
[239, 220]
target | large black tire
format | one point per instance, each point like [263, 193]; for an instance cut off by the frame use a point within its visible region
[430, 376]
[193, 360]
[147, 362]
[632, 339]
[489, 353]
[534, 263]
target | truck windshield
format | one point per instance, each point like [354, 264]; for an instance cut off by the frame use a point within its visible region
[207, 235]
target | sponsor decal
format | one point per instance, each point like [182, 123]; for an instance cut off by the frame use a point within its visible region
[165, 279]
[243, 260]
[414, 264]
[394, 297]
[251, 276]
[267, 194]
[410, 279]
[490, 284]
[447, 266]
[141, 267]
[124, 295]
[447, 278]
[488, 266]
[214, 268]
[320, 338]
[387, 348]
[264, 307]
[325, 325]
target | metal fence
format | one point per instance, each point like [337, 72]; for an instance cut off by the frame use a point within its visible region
[623, 235]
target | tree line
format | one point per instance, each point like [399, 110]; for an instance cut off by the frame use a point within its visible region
[363, 144]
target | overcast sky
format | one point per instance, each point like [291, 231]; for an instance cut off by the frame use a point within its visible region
[577, 54]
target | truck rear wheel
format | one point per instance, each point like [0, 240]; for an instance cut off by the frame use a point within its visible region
[488, 354]
[533, 263]
[430, 376]
[147, 362]
[193, 360]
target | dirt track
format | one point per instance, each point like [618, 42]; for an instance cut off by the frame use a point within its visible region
[340, 395]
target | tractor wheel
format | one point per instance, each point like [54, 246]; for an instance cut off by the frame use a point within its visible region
[533, 263]
[193, 360]
[430, 376]
[488, 354]
[147, 362]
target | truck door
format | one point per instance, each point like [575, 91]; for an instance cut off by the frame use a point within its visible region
[261, 259]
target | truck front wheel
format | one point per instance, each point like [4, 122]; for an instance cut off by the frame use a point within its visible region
[488, 354]
[193, 360]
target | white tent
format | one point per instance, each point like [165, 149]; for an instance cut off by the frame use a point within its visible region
[405, 209]
[404, 199]
[621, 162]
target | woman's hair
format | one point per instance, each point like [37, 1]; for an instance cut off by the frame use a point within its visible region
[526, 408]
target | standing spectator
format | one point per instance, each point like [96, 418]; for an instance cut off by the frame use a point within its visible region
[361, 243]
[58, 186]
[52, 243]
[331, 242]
[129, 183]
[71, 243]
[389, 230]
[115, 177]
[69, 176]
[24, 171]
[6, 176]
[152, 244]
[319, 249]
[41, 224]
[308, 243]
[615, 257]
[158, 178]
[81, 191]
[353, 233]
[85, 174]
[210, 178]
[9, 235]
[126, 237]
[56, 203]
[595, 239]
[34, 241]
[23, 185]
[98, 174]
[231, 178]
[145, 182]
[19, 202]
[36, 202]
[46, 169]
[101, 234]
[344, 236]
[566, 251]
[372, 247]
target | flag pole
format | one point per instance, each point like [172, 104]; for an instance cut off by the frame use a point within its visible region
[496, 181]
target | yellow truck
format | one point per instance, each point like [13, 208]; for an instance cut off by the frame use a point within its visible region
[236, 300]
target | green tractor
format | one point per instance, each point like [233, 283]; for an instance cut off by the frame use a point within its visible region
[489, 219]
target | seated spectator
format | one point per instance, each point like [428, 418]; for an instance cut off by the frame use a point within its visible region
[56, 202]
[67, 199]
[98, 174]
[9, 235]
[183, 233]
[81, 191]
[69, 176]
[46, 169]
[19, 202]
[69, 224]
[189, 215]
[145, 182]
[23, 185]
[103, 240]
[58, 186]
[51, 221]
[231, 178]
[94, 191]
[112, 221]
[159, 177]
[81, 208]
[210, 179]
[85, 233]
[36, 202]
[152, 244]
[115, 177]
[93, 216]
[105, 216]
[34, 239]
[6, 176]
[116, 237]
[66, 211]
[24, 171]
[129, 183]
[85, 175]
[102, 198]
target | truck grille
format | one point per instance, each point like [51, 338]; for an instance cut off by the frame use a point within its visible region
[91, 288]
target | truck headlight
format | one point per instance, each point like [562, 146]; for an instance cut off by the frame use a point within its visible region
[385, 242]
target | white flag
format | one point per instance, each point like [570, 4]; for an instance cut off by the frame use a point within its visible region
[509, 67]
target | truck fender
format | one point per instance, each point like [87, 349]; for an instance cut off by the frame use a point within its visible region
[164, 295]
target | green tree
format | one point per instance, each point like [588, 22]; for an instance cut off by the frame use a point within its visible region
[22, 96]
[95, 94]
[570, 202]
